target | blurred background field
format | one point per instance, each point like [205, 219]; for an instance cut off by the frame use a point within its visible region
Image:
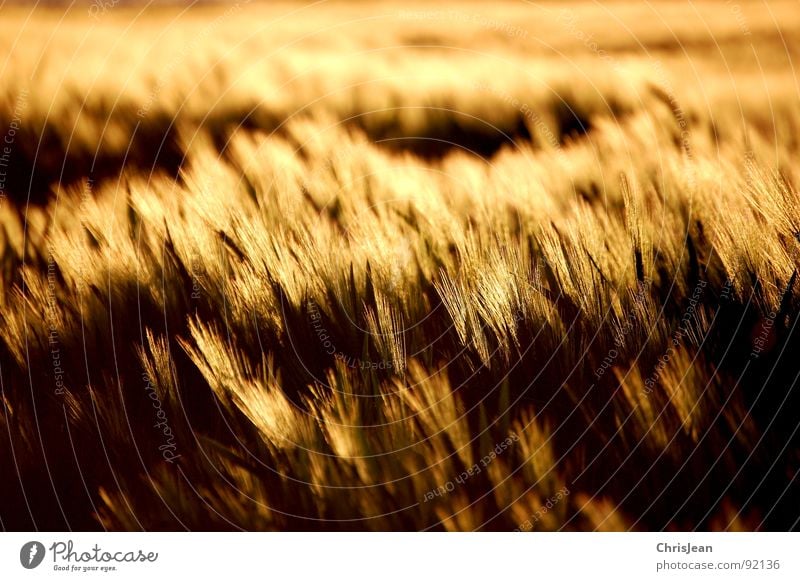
[395, 70]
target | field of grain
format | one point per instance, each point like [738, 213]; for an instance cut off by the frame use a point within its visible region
[400, 266]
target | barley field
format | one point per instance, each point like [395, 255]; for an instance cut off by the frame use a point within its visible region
[514, 266]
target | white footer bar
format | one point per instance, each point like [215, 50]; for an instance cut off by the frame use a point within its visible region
[400, 556]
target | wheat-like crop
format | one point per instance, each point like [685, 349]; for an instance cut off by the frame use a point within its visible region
[276, 270]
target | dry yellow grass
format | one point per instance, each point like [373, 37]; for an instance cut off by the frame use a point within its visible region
[380, 266]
